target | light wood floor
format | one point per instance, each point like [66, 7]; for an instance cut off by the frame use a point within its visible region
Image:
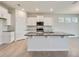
[15, 49]
[19, 49]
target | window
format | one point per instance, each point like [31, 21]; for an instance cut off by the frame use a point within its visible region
[74, 19]
[68, 19]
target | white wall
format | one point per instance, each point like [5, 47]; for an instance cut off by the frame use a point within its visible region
[71, 28]
[20, 24]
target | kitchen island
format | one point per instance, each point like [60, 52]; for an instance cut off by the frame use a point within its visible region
[48, 41]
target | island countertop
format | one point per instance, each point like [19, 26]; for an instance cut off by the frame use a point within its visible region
[47, 41]
[47, 34]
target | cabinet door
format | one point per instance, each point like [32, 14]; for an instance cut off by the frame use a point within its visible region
[6, 37]
[48, 21]
[3, 12]
[31, 21]
[40, 18]
[8, 19]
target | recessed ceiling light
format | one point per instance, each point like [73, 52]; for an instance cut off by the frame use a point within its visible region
[51, 9]
[23, 9]
[37, 9]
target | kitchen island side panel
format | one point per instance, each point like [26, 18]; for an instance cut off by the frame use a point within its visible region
[50, 43]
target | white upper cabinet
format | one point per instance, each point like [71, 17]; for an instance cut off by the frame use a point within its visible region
[4, 14]
[40, 18]
[48, 21]
[33, 20]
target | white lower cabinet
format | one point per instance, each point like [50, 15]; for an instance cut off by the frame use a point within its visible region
[6, 37]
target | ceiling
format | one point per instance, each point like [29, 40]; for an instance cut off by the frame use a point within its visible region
[65, 7]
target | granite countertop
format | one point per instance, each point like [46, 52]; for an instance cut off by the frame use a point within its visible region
[48, 34]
